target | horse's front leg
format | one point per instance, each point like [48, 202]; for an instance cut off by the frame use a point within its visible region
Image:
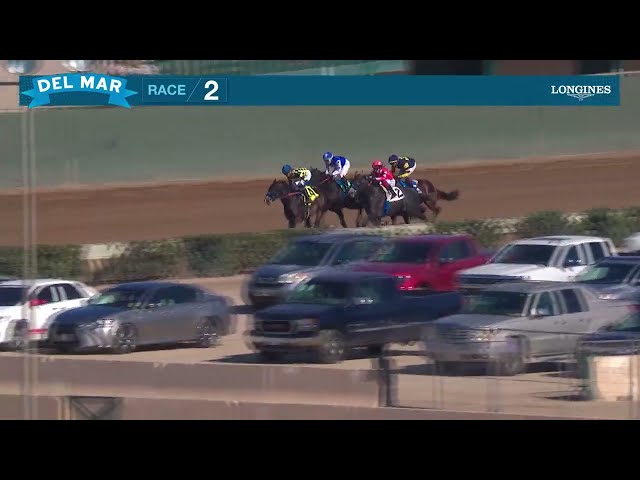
[319, 216]
[340, 215]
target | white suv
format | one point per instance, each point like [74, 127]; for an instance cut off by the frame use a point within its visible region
[27, 307]
[556, 258]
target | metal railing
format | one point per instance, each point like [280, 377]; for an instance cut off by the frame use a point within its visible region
[598, 380]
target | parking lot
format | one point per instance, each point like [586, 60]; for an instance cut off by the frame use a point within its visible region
[546, 389]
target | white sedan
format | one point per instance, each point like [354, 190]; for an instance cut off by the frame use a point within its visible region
[28, 306]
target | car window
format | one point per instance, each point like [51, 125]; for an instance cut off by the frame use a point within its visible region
[573, 257]
[162, 298]
[597, 250]
[48, 295]
[182, 294]
[571, 300]
[368, 289]
[455, 251]
[70, 291]
[359, 250]
[545, 305]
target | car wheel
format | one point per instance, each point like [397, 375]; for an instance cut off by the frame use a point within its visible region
[332, 347]
[513, 363]
[64, 349]
[207, 333]
[448, 368]
[19, 339]
[375, 350]
[270, 356]
[125, 339]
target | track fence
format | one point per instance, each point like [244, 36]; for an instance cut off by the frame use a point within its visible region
[467, 370]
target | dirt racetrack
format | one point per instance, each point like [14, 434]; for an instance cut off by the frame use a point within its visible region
[136, 212]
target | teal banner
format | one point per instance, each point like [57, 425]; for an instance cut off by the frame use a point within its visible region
[86, 89]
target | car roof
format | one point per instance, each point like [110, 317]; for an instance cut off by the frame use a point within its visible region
[350, 276]
[149, 285]
[432, 238]
[531, 287]
[628, 259]
[38, 282]
[337, 237]
[558, 240]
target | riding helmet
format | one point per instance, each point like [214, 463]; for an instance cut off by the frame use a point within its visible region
[327, 156]
[286, 169]
[377, 164]
[393, 158]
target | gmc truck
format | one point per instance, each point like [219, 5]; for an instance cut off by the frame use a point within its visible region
[337, 311]
[427, 263]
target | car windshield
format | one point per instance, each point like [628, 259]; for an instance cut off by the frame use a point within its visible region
[119, 297]
[606, 273]
[495, 303]
[404, 252]
[307, 253]
[525, 254]
[320, 292]
[11, 296]
[631, 324]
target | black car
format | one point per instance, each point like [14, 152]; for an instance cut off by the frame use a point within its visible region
[619, 339]
[614, 278]
[339, 310]
[303, 258]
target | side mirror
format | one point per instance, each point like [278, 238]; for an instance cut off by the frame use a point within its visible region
[540, 312]
[573, 263]
[362, 301]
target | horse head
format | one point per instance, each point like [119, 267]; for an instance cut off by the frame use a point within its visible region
[277, 190]
[318, 176]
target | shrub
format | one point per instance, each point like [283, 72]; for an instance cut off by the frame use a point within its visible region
[605, 222]
[545, 223]
[487, 232]
[145, 260]
[55, 261]
[215, 255]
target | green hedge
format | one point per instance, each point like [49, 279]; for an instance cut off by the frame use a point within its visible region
[48, 262]
[222, 255]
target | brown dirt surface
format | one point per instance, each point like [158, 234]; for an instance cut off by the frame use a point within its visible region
[91, 214]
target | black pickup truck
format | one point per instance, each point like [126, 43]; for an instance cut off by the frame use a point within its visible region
[336, 311]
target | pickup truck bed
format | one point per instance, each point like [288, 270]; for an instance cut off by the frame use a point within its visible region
[330, 327]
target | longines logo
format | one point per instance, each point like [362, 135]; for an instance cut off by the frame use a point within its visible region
[581, 91]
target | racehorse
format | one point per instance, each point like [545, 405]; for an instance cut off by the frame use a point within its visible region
[374, 201]
[335, 199]
[430, 195]
[293, 202]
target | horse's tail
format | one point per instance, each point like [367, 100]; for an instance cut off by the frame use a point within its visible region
[448, 196]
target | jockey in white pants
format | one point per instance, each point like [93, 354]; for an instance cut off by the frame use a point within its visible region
[336, 166]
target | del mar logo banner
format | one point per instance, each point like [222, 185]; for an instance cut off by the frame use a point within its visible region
[75, 89]
[291, 90]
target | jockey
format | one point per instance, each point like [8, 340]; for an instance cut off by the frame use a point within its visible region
[384, 176]
[405, 167]
[336, 166]
[298, 177]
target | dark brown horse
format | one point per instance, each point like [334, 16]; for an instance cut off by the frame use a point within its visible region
[430, 195]
[296, 209]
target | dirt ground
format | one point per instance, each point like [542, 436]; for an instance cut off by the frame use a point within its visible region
[137, 212]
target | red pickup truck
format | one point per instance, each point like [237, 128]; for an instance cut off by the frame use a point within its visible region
[426, 262]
